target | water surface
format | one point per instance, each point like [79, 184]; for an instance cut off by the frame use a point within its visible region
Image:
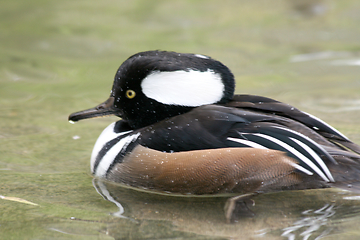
[58, 57]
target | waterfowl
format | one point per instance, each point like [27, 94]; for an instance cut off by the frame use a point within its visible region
[183, 131]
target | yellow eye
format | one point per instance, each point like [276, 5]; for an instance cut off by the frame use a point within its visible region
[130, 94]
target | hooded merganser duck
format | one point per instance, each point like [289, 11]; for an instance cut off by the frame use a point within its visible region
[183, 131]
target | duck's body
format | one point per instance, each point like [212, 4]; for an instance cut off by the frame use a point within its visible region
[176, 137]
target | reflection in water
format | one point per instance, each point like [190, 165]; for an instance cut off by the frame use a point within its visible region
[101, 189]
[152, 216]
[277, 216]
[311, 223]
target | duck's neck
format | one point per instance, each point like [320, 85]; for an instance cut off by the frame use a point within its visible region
[150, 116]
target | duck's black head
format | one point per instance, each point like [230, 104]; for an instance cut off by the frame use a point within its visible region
[155, 85]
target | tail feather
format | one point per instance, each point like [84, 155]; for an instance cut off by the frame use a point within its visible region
[343, 156]
[343, 143]
[347, 172]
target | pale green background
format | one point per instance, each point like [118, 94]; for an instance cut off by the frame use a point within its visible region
[58, 57]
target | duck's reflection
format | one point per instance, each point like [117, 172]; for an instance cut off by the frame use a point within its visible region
[311, 223]
[136, 204]
[291, 215]
[100, 187]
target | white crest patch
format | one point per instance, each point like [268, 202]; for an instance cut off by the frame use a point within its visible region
[186, 88]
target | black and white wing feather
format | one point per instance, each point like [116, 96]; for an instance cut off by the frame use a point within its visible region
[311, 156]
[271, 106]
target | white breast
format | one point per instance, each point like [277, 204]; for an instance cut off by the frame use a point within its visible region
[106, 161]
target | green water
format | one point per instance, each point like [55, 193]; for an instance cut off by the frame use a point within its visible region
[58, 57]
